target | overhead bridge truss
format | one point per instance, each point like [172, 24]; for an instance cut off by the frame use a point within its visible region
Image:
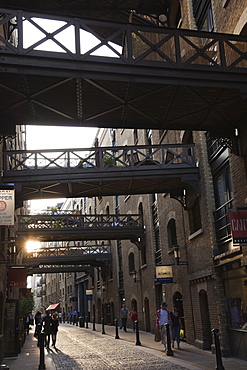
[101, 171]
[126, 76]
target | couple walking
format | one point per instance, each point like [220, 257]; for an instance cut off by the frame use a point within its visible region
[172, 318]
[50, 324]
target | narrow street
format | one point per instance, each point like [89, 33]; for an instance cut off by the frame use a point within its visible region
[85, 349]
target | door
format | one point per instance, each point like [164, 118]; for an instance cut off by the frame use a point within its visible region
[11, 335]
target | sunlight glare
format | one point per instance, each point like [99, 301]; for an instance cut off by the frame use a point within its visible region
[32, 246]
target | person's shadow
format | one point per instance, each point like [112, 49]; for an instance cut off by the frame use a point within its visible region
[58, 357]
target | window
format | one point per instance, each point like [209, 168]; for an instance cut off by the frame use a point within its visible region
[131, 262]
[223, 202]
[202, 10]
[172, 233]
[135, 136]
[195, 216]
[223, 193]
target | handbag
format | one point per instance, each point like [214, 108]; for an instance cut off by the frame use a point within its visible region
[157, 336]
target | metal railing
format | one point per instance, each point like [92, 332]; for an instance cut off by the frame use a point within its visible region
[124, 44]
[102, 159]
[222, 223]
[44, 222]
[69, 251]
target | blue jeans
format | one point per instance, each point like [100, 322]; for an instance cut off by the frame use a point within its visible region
[124, 322]
[176, 333]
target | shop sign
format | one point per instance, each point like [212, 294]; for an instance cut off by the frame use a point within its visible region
[238, 221]
[7, 207]
[89, 294]
[164, 274]
[17, 277]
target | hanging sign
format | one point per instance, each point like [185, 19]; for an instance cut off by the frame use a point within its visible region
[89, 294]
[164, 274]
[238, 222]
[17, 277]
[7, 207]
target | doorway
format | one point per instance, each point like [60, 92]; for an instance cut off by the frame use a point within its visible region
[178, 301]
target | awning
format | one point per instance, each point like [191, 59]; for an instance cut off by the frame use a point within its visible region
[53, 306]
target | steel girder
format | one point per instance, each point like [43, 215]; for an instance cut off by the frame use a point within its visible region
[159, 78]
[114, 10]
[53, 269]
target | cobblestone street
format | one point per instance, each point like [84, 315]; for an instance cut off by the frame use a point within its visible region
[82, 349]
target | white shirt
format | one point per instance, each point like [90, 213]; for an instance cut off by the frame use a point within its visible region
[163, 317]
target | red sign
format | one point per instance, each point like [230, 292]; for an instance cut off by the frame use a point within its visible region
[17, 277]
[238, 221]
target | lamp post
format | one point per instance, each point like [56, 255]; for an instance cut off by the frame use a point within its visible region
[134, 274]
[177, 255]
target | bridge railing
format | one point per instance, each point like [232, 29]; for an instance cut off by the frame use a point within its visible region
[99, 159]
[44, 222]
[69, 251]
[125, 44]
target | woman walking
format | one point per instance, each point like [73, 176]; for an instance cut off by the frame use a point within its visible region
[176, 325]
[54, 328]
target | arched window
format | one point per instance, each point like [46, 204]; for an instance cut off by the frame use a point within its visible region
[131, 262]
[172, 233]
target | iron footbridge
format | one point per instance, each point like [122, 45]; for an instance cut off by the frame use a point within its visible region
[77, 227]
[85, 255]
[103, 171]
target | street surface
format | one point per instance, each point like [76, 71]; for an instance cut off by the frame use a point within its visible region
[85, 349]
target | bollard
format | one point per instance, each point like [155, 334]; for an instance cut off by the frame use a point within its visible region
[42, 351]
[219, 364]
[103, 325]
[86, 322]
[138, 343]
[116, 326]
[80, 322]
[83, 322]
[94, 324]
[169, 351]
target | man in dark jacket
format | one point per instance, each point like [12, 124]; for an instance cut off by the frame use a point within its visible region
[47, 321]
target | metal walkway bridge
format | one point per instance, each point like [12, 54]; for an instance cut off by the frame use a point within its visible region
[93, 255]
[130, 75]
[101, 171]
[78, 227]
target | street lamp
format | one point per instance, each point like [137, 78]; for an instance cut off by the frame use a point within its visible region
[134, 274]
[176, 250]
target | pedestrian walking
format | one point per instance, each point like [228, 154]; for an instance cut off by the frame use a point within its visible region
[54, 328]
[176, 326]
[37, 321]
[124, 315]
[162, 319]
[47, 328]
[27, 323]
[133, 317]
